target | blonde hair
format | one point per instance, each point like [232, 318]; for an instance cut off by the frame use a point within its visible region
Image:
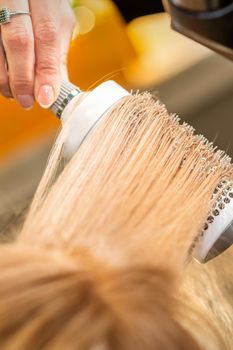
[100, 261]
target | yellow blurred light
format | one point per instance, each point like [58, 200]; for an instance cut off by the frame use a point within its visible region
[85, 21]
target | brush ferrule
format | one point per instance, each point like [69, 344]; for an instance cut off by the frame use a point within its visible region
[67, 92]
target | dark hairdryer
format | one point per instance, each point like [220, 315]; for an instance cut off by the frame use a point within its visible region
[209, 22]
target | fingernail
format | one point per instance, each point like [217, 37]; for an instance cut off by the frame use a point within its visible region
[26, 101]
[46, 96]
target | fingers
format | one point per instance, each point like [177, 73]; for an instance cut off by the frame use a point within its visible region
[46, 17]
[4, 82]
[17, 38]
[33, 51]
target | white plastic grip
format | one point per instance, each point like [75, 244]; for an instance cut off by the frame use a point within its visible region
[89, 111]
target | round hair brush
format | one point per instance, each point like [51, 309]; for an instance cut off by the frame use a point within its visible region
[217, 233]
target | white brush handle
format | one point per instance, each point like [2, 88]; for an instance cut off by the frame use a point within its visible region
[89, 111]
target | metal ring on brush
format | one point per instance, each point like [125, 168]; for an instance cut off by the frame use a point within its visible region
[67, 92]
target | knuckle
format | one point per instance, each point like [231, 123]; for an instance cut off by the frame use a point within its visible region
[4, 87]
[22, 83]
[48, 65]
[3, 83]
[18, 38]
[46, 32]
[50, 71]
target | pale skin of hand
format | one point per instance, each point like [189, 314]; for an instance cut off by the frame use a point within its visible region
[33, 50]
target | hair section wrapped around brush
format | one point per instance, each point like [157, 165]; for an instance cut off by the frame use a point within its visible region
[100, 260]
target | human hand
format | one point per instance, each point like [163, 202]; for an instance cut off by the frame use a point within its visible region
[33, 50]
